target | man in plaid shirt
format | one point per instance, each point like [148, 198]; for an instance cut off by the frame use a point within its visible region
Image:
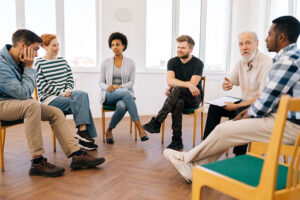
[255, 123]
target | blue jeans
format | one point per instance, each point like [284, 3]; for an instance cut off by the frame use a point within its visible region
[79, 106]
[123, 100]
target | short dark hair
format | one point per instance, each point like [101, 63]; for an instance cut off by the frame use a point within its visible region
[288, 25]
[186, 38]
[26, 36]
[118, 36]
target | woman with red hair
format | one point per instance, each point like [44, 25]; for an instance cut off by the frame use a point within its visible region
[55, 85]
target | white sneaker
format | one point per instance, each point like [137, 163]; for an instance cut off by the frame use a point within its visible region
[176, 158]
[173, 153]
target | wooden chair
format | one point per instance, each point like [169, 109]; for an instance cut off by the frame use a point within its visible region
[3, 126]
[106, 108]
[36, 97]
[191, 112]
[252, 176]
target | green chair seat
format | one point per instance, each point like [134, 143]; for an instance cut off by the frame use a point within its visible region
[106, 107]
[189, 110]
[10, 123]
[246, 169]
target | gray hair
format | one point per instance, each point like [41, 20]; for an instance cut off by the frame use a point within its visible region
[249, 32]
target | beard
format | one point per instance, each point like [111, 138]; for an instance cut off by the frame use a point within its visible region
[185, 56]
[249, 58]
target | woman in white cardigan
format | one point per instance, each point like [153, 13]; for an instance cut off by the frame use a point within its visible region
[116, 85]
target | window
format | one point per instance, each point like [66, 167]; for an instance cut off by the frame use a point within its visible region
[284, 7]
[189, 21]
[40, 18]
[217, 34]
[80, 32]
[188, 17]
[279, 8]
[8, 22]
[159, 33]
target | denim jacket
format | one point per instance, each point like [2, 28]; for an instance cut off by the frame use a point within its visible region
[13, 83]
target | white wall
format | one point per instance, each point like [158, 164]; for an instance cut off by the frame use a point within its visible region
[135, 29]
[149, 87]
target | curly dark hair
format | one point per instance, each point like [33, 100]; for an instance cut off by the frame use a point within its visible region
[118, 36]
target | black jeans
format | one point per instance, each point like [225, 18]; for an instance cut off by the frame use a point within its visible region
[215, 113]
[178, 99]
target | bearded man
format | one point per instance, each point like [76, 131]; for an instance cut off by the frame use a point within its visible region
[184, 89]
[250, 73]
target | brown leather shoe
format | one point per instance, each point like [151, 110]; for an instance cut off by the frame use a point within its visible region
[44, 168]
[85, 161]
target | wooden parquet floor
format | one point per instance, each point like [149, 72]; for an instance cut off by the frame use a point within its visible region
[133, 170]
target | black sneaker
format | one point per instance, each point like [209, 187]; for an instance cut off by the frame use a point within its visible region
[85, 161]
[44, 168]
[153, 126]
[84, 136]
[90, 146]
[176, 145]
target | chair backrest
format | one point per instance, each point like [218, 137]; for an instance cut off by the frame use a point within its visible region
[203, 79]
[269, 171]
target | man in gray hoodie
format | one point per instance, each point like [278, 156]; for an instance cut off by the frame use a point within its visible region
[17, 82]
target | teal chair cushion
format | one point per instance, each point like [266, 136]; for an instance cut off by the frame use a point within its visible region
[105, 107]
[10, 123]
[246, 169]
[190, 110]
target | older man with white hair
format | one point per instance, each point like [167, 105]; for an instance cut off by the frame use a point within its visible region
[250, 73]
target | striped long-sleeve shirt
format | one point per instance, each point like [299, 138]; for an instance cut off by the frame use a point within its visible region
[284, 78]
[54, 78]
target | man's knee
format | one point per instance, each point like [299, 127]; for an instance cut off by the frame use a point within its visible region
[178, 91]
[54, 112]
[180, 104]
[32, 106]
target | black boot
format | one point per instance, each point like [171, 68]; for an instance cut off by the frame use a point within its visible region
[153, 126]
[176, 145]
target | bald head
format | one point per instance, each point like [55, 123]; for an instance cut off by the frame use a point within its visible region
[249, 34]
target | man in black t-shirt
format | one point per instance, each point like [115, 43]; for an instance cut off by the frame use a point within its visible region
[184, 89]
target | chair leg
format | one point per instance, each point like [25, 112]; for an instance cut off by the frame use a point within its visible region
[227, 152]
[285, 159]
[195, 126]
[130, 125]
[54, 141]
[135, 132]
[2, 133]
[202, 125]
[103, 126]
[162, 131]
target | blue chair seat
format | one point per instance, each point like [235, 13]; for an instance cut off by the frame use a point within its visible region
[10, 123]
[246, 169]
